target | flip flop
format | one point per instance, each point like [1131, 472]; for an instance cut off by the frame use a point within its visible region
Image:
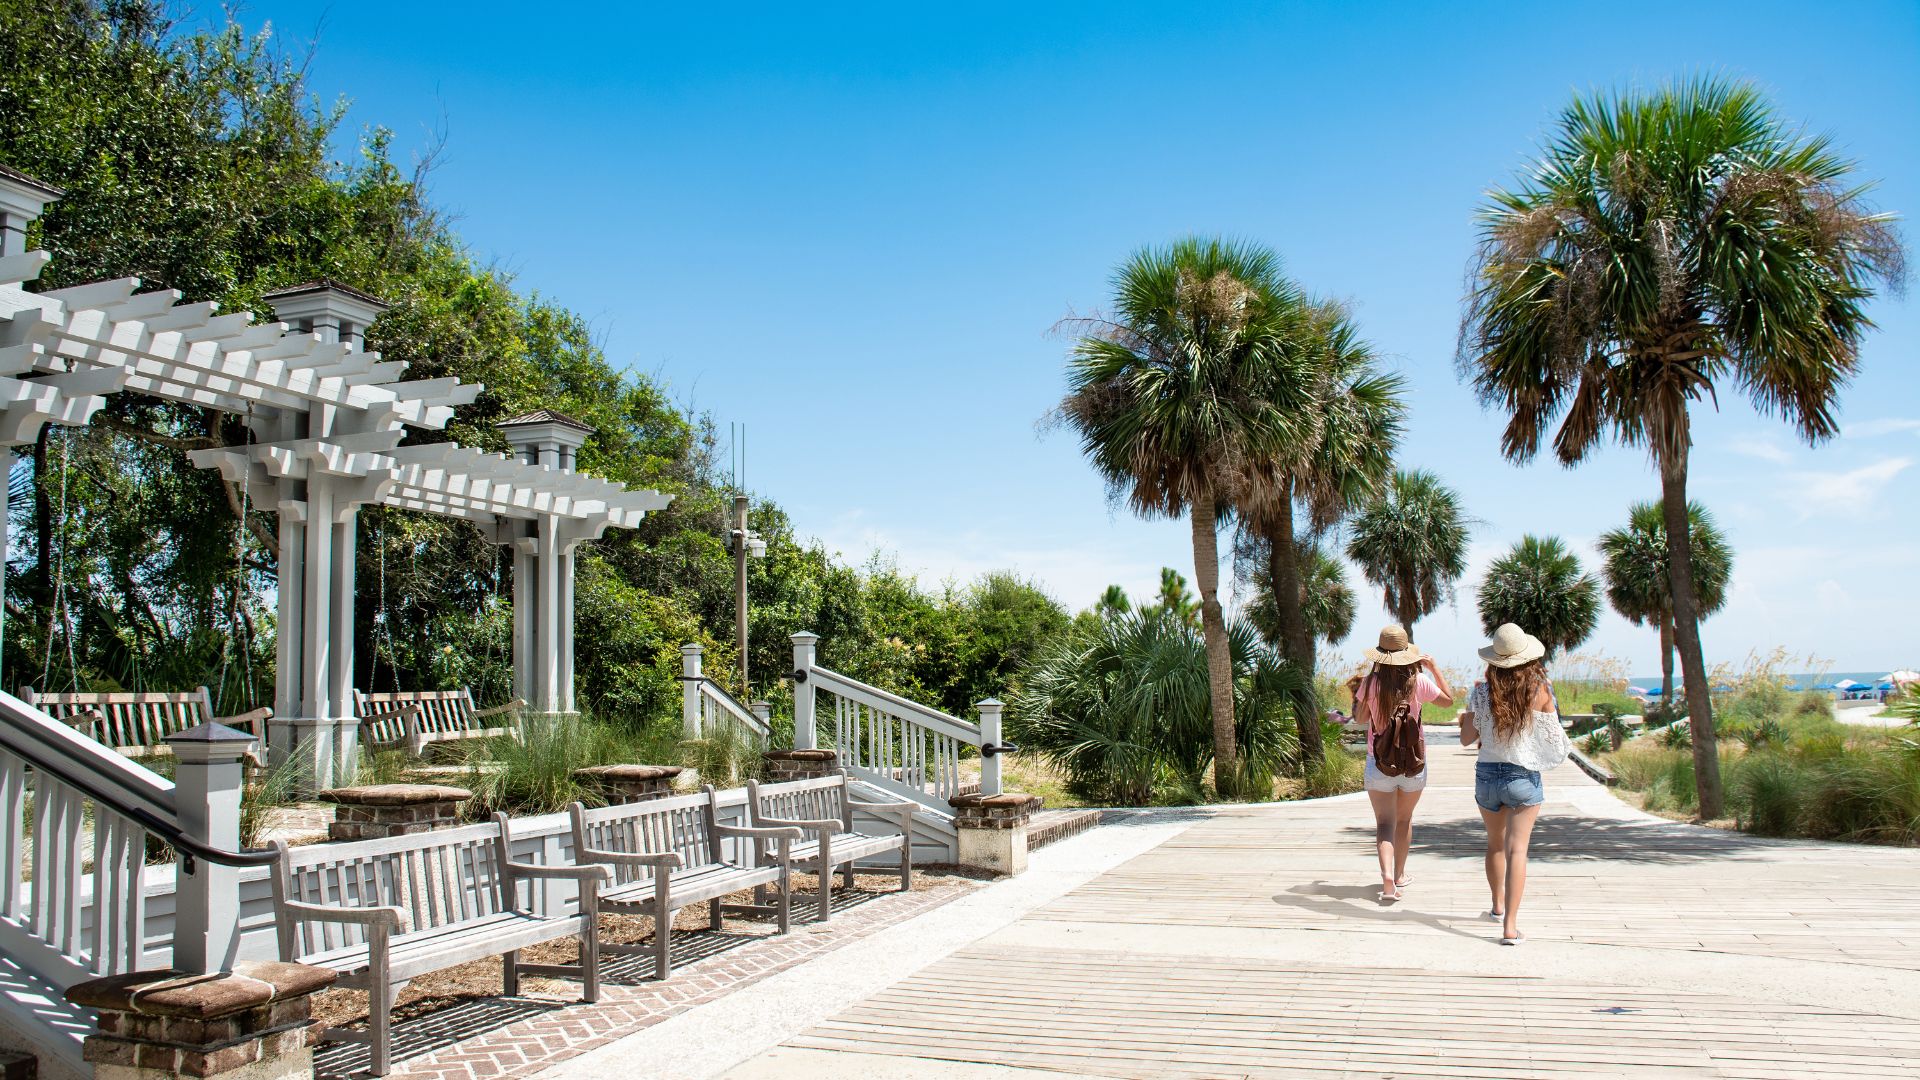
[1513, 940]
[1403, 884]
[1385, 899]
[1493, 916]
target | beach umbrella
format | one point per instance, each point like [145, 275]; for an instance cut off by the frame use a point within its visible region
[1640, 691]
[1902, 677]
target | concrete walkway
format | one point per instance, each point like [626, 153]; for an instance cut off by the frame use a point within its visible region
[1246, 941]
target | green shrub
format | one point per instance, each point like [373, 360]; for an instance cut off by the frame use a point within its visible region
[1770, 792]
[534, 775]
[1597, 743]
[1677, 735]
[1338, 773]
[1121, 709]
[1769, 732]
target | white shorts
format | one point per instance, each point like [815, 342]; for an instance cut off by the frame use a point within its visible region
[1375, 780]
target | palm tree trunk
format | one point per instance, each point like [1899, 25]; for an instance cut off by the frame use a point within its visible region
[1213, 630]
[1296, 647]
[1409, 609]
[1686, 635]
[1666, 658]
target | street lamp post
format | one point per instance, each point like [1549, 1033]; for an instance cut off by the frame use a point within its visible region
[744, 544]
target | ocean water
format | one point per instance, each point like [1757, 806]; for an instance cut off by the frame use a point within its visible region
[1796, 682]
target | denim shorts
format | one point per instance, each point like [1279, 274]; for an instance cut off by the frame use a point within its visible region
[1498, 785]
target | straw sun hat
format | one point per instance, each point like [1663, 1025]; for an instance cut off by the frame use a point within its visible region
[1395, 650]
[1512, 647]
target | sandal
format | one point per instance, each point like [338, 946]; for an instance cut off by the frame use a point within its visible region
[1515, 940]
[1493, 916]
[1389, 898]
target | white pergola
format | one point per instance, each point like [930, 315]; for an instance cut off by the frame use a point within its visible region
[327, 420]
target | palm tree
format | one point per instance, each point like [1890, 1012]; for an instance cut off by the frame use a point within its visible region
[1357, 413]
[1634, 561]
[1193, 374]
[1411, 541]
[1665, 245]
[1327, 604]
[1540, 587]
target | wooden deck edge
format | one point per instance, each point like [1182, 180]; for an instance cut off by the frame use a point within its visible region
[1592, 768]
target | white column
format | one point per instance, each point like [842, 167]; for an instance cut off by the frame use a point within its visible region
[346, 747]
[316, 629]
[690, 691]
[208, 775]
[989, 736]
[526, 591]
[290, 647]
[546, 658]
[805, 645]
[564, 640]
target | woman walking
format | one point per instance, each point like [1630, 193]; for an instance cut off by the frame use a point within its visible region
[1388, 701]
[1514, 718]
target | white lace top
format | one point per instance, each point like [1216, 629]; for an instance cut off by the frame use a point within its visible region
[1539, 744]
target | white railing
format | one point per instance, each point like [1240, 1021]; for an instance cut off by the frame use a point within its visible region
[889, 741]
[73, 903]
[707, 709]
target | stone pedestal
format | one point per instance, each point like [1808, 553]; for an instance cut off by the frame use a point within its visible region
[799, 764]
[619, 784]
[253, 1023]
[993, 830]
[379, 810]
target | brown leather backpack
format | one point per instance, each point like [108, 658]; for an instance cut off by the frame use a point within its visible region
[1400, 748]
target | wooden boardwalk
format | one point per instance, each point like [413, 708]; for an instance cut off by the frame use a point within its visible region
[1250, 944]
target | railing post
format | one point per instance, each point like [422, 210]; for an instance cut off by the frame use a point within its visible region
[690, 691]
[805, 645]
[206, 787]
[763, 711]
[989, 736]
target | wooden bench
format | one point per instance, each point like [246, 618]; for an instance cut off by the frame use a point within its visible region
[383, 912]
[824, 809]
[414, 719]
[137, 724]
[671, 853]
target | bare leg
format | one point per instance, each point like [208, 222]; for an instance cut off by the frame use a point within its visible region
[1496, 856]
[1383, 815]
[1520, 821]
[1404, 802]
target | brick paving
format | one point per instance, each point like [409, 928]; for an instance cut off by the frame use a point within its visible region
[508, 1037]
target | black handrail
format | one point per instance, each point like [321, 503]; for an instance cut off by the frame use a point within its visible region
[186, 846]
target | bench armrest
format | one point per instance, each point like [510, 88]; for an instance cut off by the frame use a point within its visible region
[570, 873]
[762, 834]
[392, 918]
[403, 712]
[516, 703]
[253, 720]
[815, 824]
[669, 859]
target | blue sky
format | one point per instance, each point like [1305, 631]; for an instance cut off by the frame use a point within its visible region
[851, 228]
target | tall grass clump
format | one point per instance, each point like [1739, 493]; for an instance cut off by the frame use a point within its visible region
[534, 775]
[1121, 710]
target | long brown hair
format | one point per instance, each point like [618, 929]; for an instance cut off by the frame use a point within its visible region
[1392, 687]
[1511, 691]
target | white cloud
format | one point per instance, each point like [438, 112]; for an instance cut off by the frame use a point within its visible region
[1852, 490]
[1889, 425]
[1755, 446]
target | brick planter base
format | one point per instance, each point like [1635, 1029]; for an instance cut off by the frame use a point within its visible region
[799, 764]
[620, 784]
[380, 810]
[254, 1023]
[993, 830]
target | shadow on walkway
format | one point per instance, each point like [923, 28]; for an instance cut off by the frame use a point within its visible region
[1565, 835]
[436, 1030]
[1358, 902]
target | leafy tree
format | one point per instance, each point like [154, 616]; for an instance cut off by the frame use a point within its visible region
[1666, 244]
[1411, 541]
[1327, 604]
[1192, 374]
[1113, 602]
[1540, 587]
[1174, 599]
[1353, 416]
[1634, 561]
